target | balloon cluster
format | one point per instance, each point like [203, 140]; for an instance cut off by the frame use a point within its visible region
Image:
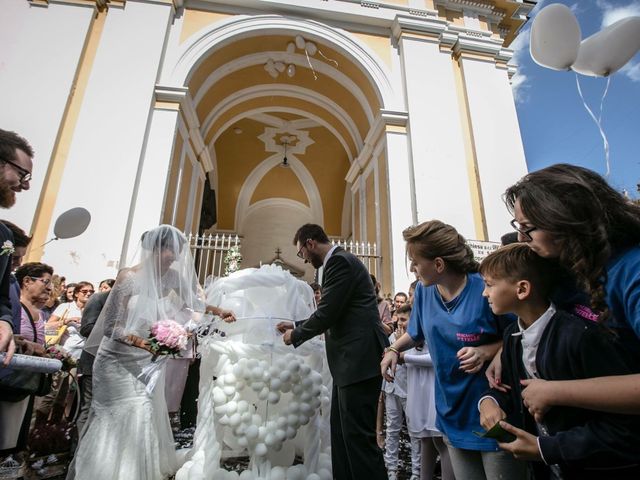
[274, 68]
[269, 382]
[295, 472]
[556, 43]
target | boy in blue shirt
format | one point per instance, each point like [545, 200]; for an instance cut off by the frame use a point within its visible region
[550, 344]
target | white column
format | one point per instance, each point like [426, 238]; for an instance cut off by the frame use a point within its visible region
[151, 188]
[107, 145]
[435, 128]
[400, 200]
[498, 144]
[40, 48]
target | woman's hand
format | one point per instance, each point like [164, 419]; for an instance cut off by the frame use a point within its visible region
[472, 358]
[537, 396]
[490, 413]
[388, 365]
[524, 447]
[494, 373]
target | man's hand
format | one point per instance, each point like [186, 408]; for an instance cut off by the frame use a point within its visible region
[537, 396]
[380, 439]
[282, 327]
[286, 338]
[6, 341]
[227, 316]
[490, 413]
[524, 447]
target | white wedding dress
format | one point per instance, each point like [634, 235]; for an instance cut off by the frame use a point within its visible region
[127, 435]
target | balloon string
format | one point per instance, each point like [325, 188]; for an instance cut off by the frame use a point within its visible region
[315, 77]
[598, 121]
[327, 59]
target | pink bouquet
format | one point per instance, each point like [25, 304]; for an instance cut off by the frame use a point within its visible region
[167, 338]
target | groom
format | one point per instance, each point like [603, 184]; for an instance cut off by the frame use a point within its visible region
[348, 316]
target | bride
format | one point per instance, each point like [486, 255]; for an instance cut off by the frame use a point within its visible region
[128, 435]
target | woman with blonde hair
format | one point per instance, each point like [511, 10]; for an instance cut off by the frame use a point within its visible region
[462, 333]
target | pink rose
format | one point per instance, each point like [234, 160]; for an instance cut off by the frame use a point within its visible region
[170, 334]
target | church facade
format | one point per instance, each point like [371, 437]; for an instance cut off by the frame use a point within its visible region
[252, 117]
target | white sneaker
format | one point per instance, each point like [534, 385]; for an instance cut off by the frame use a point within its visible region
[392, 475]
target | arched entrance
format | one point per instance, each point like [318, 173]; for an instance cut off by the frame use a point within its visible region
[242, 96]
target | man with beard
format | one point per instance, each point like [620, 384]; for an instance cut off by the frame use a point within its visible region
[15, 175]
[348, 316]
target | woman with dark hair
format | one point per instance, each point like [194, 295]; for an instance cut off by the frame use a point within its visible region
[106, 285]
[571, 214]
[127, 434]
[68, 315]
[34, 280]
[451, 315]
[67, 294]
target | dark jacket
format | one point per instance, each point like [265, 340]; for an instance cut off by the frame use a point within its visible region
[348, 316]
[90, 316]
[584, 443]
[6, 313]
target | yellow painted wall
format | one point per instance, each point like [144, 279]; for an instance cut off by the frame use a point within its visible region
[172, 180]
[371, 209]
[356, 215]
[195, 20]
[384, 247]
[282, 183]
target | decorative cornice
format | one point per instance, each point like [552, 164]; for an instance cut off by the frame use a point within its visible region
[431, 26]
[384, 119]
[100, 5]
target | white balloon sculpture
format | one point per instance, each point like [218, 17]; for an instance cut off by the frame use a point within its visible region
[268, 401]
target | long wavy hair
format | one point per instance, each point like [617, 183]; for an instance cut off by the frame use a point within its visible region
[589, 221]
[434, 239]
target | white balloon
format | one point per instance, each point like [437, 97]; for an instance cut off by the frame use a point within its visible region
[72, 223]
[607, 51]
[311, 48]
[291, 70]
[273, 73]
[300, 42]
[555, 37]
[291, 48]
[280, 66]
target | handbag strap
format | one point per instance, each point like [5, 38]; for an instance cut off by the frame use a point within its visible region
[33, 324]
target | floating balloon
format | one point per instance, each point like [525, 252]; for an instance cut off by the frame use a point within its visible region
[300, 42]
[555, 37]
[291, 48]
[311, 48]
[607, 51]
[279, 66]
[291, 70]
[72, 223]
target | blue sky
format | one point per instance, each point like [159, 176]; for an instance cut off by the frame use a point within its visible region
[554, 123]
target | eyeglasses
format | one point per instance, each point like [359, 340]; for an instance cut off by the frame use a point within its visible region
[300, 251]
[25, 175]
[45, 281]
[523, 230]
[86, 292]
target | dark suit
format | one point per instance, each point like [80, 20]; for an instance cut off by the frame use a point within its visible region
[348, 316]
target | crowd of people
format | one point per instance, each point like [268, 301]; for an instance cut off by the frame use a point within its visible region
[526, 365]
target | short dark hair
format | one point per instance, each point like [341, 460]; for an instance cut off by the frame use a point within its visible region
[310, 231]
[9, 142]
[315, 286]
[79, 286]
[406, 308]
[20, 237]
[413, 285]
[518, 262]
[32, 269]
[401, 293]
[109, 281]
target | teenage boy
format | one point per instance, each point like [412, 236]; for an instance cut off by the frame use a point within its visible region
[550, 344]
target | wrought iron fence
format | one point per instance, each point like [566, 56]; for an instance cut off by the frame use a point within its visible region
[366, 252]
[209, 252]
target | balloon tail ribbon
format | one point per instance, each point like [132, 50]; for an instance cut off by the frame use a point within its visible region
[315, 77]
[328, 59]
[598, 121]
